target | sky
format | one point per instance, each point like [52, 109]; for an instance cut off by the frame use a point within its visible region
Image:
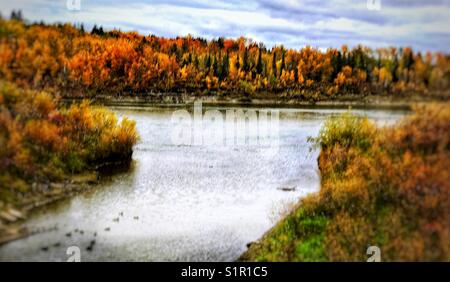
[423, 25]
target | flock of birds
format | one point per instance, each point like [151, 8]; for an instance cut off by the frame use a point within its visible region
[92, 243]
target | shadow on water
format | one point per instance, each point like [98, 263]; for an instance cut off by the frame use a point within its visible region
[111, 169]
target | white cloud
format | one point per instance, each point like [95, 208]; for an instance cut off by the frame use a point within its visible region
[289, 22]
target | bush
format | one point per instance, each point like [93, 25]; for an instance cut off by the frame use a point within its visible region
[387, 187]
[346, 130]
[43, 141]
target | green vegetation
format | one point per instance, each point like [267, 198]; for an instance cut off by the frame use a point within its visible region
[387, 187]
[42, 141]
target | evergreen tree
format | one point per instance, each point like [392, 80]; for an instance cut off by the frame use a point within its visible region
[208, 63]
[337, 64]
[274, 63]
[225, 67]
[16, 15]
[259, 65]
[220, 43]
[97, 30]
[196, 62]
[394, 70]
[215, 67]
[245, 63]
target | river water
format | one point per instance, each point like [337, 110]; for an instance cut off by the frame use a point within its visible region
[181, 201]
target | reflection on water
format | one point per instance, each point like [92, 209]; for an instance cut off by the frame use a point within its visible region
[190, 203]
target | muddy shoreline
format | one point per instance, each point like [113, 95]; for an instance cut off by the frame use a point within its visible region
[13, 217]
[187, 100]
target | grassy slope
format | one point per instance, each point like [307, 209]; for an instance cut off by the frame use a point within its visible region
[387, 187]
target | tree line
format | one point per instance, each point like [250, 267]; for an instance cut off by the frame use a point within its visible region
[74, 61]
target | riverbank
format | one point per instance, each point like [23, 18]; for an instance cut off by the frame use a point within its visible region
[263, 100]
[383, 187]
[49, 151]
[13, 217]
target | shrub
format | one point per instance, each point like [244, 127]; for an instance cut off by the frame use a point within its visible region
[42, 141]
[387, 187]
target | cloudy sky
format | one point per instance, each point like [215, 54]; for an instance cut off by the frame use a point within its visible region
[424, 25]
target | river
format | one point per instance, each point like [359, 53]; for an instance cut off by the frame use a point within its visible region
[184, 202]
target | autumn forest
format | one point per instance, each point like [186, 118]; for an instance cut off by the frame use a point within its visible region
[77, 62]
[361, 134]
